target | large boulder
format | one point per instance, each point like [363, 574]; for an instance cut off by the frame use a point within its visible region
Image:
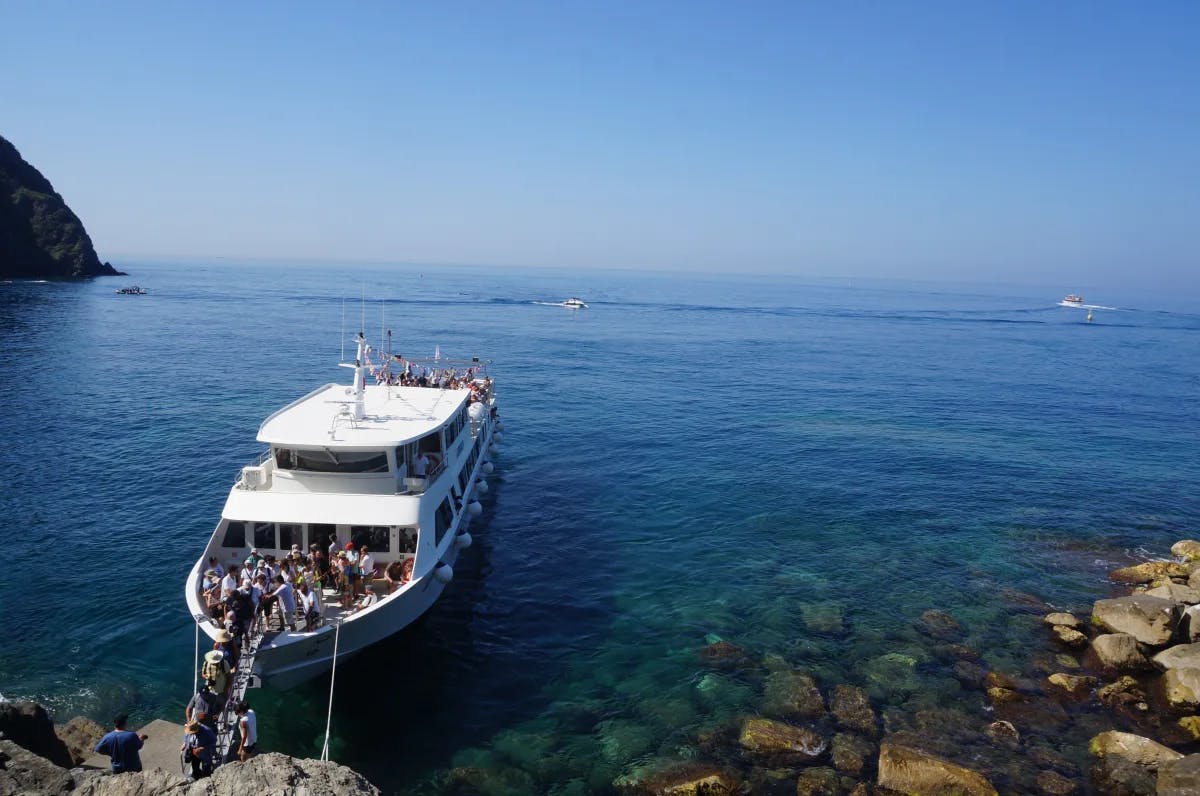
[1179, 777]
[28, 725]
[851, 708]
[788, 693]
[151, 782]
[850, 753]
[1148, 572]
[1118, 652]
[1182, 656]
[81, 736]
[1069, 636]
[911, 771]
[676, 778]
[1181, 687]
[1189, 623]
[23, 772]
[1187, 549]
[1073, 685]
[1151, 620]
[1127, 764]
[272, 772]
[821, 781]
[1175, 592]
[776, 743]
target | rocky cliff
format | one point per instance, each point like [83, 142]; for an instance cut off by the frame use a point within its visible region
[39, 235]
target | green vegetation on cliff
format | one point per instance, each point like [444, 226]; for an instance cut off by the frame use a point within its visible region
[39, 235]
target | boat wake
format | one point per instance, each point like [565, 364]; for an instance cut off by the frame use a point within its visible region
[1085, 306]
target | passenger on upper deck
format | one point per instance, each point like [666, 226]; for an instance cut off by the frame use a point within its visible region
[420, 465]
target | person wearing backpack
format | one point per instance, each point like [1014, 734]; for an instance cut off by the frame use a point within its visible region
[204, 707]
[217, 669]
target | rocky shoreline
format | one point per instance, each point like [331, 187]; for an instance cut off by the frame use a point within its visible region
[1104, 703]
[36, 759]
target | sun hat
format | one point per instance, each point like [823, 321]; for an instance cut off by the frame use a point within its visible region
[192, 726]
[223, 636]
[213, 656]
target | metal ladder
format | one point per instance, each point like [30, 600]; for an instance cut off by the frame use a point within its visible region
[227, 721]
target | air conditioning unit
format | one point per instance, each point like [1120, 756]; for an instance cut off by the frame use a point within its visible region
[254, 477]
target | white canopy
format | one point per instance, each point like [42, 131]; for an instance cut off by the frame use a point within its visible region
[321, 508]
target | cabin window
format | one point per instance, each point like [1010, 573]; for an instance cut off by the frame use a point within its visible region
[330, 461]
[322, 535]
[377, 538]
[289, 535]
[235, 535]
[464, 475]
[431, 443]
[408, 541]
[443, 519]
[264, 535]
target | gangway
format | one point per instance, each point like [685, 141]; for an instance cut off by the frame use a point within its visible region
[242, 679]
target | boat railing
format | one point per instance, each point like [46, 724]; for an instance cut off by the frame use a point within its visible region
[258, 461]
[415, 485]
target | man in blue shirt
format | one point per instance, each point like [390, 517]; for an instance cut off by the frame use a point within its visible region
[122, 746]
[198, 746]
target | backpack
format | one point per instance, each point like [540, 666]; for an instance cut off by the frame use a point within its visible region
[213, 671]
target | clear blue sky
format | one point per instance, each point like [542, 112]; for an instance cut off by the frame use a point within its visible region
[1000, 141]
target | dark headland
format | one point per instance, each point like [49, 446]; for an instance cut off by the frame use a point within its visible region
[40, 237]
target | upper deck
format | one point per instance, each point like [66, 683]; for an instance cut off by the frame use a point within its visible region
[392, 416]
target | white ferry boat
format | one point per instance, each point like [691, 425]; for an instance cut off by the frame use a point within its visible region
[575, 303]
[1072, 301]
[396, 468]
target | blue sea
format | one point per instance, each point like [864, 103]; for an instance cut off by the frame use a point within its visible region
[798, 467]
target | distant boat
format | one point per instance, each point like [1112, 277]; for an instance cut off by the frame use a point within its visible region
[575, 303]
[1072, 301]
[132, 290]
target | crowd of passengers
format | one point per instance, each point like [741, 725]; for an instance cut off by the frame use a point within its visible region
[291, 588]
[442, 378]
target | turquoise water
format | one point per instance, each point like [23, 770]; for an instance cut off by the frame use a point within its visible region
[797, 467]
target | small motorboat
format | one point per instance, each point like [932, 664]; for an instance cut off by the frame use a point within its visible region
[575, 303]
[132, 290]
[1072, 301]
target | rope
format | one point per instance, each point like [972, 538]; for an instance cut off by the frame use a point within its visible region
[337, 631]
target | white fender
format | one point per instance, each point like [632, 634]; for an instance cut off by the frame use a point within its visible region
[493, 449]
[487, 468]
[475, 508]
[463, 540]
[482, 486]
[444, 572]
[498, 437]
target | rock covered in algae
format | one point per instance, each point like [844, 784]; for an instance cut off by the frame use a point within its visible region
[1003, 733]
[1191, 726]
[723, 655]
[1073, 685]
[780, 744]
[820, 781]
[1127, 763]
[1069, 636]
[1063, 619]
[1187, 549]
[676, 778]
[852, 709]
[1051, 783]
[939, 625]
[1150, 620]
[81, 735]
[911, 771]
[1181, 688]
[850, 752]
[791, 693]
[1118, 652]
[1148, 572]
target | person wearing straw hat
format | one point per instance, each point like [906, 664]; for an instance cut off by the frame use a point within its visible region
[199, 743]
[216, 670]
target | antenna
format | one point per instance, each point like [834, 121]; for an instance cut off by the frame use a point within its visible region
[382, 320]
[343, 334]
[362, 326]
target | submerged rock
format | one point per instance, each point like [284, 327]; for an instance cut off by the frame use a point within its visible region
[780, 744]
[850, 753]
[677, 778]
[1127, 763]
[894, 673]
[1191, 726]
[852, 709]
[824, 618]
[1118, 652]
[1150, 620]
[723, 655]
[1148, 572]
[791, 693]
[821, 781]
[939, 625]
[472, 781]
[969, 674]
[1124, 691]
[1052, 783]
[1003, 733]
[911, 771]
